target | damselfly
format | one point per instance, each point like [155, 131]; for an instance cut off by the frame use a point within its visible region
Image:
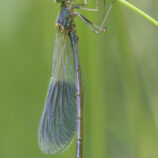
[63, 110]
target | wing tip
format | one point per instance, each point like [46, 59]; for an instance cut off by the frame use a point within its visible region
[50, 148]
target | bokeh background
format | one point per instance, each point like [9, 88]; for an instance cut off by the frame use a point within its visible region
[120, 69]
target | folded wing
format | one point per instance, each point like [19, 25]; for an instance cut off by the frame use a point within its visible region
[58, 121]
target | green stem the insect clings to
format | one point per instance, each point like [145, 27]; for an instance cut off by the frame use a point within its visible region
[138, 11]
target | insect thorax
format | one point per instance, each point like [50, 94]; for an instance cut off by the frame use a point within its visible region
[65, 22]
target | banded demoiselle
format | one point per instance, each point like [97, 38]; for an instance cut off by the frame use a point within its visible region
[63, 109]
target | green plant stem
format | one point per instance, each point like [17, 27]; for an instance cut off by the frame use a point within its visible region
[138, 11]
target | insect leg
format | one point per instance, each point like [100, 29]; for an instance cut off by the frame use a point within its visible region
[106, 15]
[88, 23]
[90, 9]
[81, 6]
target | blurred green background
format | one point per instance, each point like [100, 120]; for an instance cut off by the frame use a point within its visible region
[120, 69]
